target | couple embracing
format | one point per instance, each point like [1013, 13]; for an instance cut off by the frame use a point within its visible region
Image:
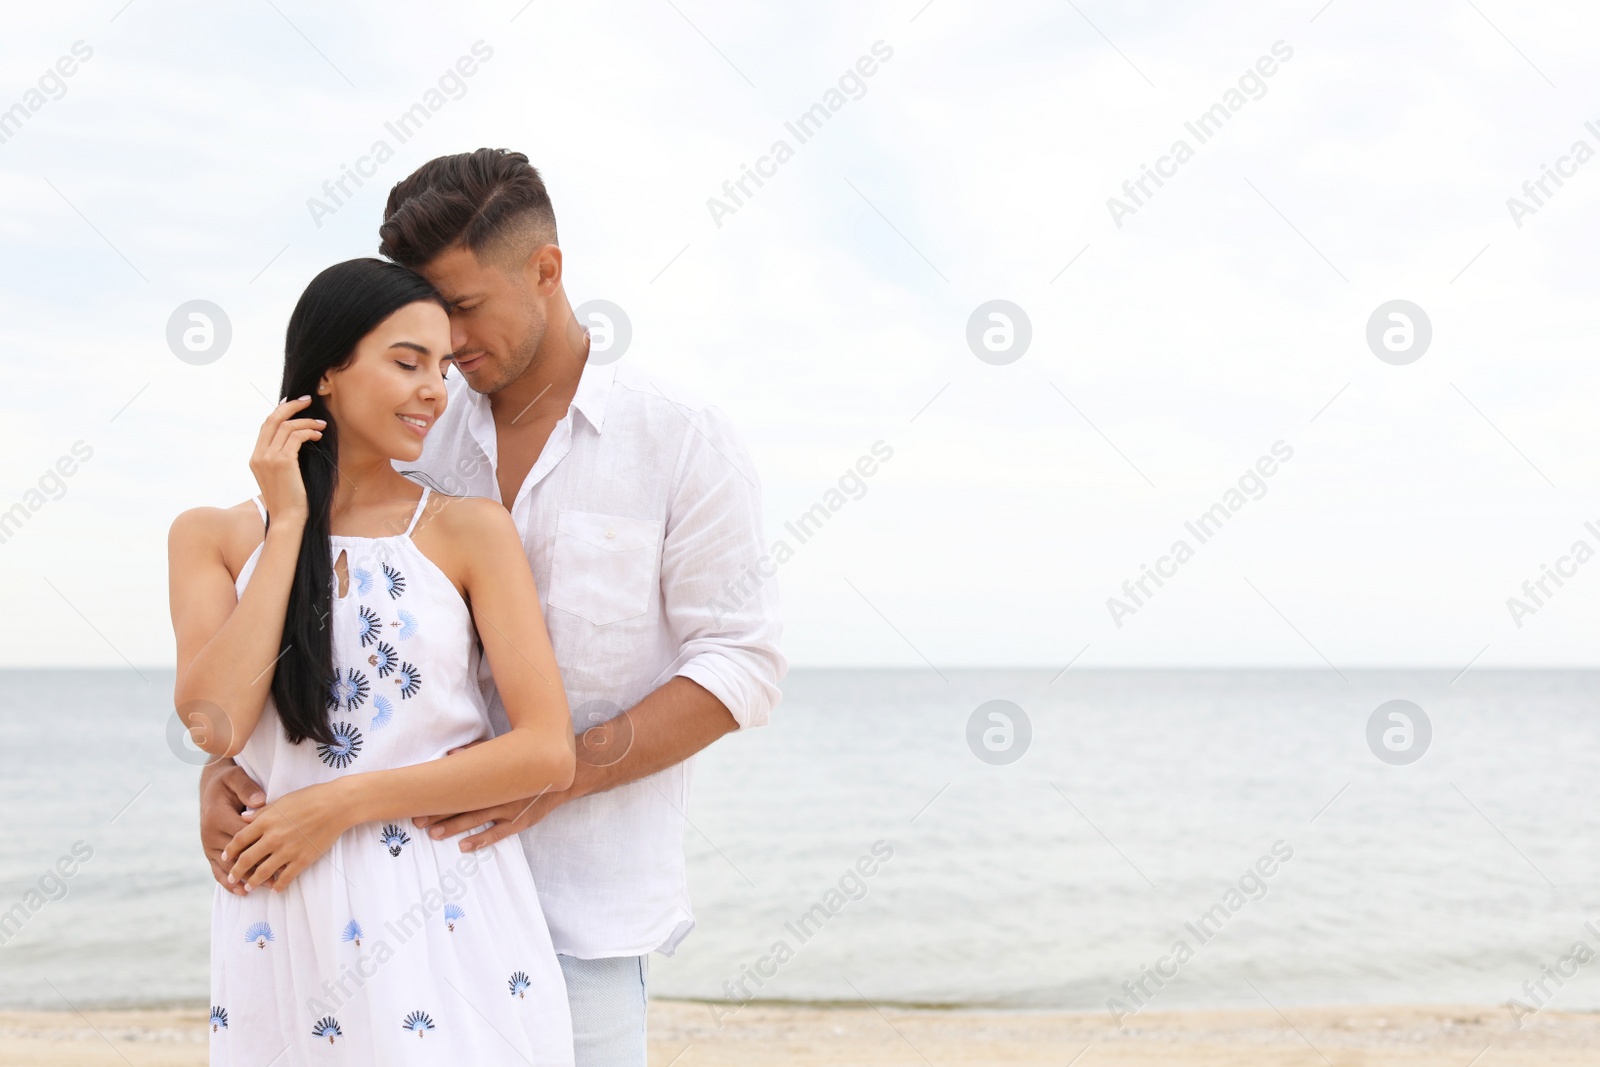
[456, 656]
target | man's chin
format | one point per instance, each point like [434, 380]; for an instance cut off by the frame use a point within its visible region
[482, 378]
[487, 379]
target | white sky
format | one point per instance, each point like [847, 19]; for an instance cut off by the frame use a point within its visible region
[829, 310]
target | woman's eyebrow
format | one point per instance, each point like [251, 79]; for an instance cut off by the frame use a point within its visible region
[411, 345]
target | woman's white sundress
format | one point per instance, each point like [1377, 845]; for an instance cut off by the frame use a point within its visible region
[392, 949]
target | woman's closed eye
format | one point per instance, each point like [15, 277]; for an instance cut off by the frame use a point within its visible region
[444, 367]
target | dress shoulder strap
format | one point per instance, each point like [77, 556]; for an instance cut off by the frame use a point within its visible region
[260, 507]
[417, 515]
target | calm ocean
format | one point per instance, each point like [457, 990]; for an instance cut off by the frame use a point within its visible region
[1146, 801]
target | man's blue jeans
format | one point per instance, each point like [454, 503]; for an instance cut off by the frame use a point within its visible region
[608, 998]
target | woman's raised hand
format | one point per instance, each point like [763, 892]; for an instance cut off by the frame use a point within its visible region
[276, 460]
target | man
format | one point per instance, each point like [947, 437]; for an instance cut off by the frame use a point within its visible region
[641, 517]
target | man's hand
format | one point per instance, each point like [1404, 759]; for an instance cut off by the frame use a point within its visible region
[225, 792]
[507, 819]
[668, 726]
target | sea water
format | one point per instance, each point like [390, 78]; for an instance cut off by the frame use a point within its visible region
[1162, 839]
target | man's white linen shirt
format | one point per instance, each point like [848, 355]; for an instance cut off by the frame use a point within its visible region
[642, 523]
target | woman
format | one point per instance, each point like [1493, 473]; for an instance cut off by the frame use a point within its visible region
[329, 635]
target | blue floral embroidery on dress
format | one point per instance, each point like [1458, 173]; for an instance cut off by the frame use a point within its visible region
[351, 932]
[409, 679]
[519, 985]
[327, 1027]
[219, 1019]
[407, 624]
[394, 582]
[452, 914]
[260, 933]
[418, 1023]
[385, 712]
[383, 659]
[395, 838]
[345, 748]
[349, 691]
[363, 581]
[369, 626]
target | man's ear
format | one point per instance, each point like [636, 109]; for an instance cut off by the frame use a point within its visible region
[543, 269]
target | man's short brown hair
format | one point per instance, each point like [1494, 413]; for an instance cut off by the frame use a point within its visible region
[491, 201]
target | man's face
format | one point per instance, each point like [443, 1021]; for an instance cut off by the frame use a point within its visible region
[497, 316]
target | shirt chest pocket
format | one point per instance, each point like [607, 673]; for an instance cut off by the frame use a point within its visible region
[603, 567]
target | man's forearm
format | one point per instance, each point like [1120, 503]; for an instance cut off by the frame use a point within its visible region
[668, 726]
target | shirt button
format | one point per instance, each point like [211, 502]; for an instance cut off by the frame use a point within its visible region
[611, 533]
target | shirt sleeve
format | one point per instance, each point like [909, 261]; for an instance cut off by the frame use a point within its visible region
[719, 585]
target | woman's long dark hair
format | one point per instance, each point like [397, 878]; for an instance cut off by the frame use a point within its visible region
[341, 306]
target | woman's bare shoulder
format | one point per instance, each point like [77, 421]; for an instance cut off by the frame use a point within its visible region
[226, 531]
[460, 534]
[465, 515]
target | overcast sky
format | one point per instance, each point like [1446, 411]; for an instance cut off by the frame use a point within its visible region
[1172, 346]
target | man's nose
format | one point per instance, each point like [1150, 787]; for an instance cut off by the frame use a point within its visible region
[458, 335]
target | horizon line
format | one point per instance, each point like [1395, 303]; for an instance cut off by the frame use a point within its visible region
[1306, 668]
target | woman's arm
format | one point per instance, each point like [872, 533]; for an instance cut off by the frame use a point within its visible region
[476, 543]
[227, 644]
[537, 753]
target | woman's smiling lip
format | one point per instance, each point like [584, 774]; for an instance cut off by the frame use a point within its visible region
[418, 424]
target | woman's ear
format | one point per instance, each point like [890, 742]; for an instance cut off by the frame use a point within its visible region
[324, 386]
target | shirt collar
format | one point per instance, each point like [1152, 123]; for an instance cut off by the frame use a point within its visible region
[594, 390]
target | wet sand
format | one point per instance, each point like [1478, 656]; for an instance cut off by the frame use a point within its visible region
[686, 1034]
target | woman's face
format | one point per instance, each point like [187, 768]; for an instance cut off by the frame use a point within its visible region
[392, 391]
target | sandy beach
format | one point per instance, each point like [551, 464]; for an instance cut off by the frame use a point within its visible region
[685, 1034]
